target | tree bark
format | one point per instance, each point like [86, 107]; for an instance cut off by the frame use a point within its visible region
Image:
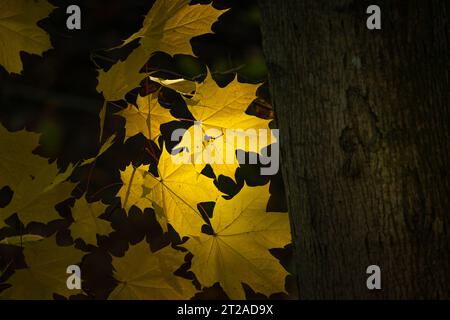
[364, 119]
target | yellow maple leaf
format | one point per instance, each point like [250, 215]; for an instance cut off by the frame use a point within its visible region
[46, 273]
[174, 194]
[17, 161]
[224, 125]
[170, 25]
[37, 186]
[145, 119]
[19, 31]
[87, 223]
[214, 149]
[177, 191]
[147, 275]
[238, 251]
[225, 107]
[132, 192]
[123, 76]
[35, 200]
[183, 86]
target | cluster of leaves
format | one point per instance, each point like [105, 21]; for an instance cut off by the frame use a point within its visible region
[229, 246]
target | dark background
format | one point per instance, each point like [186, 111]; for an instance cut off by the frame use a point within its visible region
[56, 96]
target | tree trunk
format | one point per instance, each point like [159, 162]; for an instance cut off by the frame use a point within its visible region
[364, 119]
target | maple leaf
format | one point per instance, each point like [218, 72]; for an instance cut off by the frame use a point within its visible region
[169, 26]
[120, 79]
[224, 125]
[238, 251]
[46, 272]
[147, 119]
[132, 192]
[174, 194]
[35, 198]
[225, 107]
[87, 223]
[17, 162]
[212, 147]
[147, 275]
[123, 76]
[37, 185]
[19, 31]
[177, 191]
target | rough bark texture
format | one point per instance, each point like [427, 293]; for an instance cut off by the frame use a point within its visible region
[364, 118]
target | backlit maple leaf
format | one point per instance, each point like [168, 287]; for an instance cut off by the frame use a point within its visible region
[145, 119]
[238, 251]
[45, 273]
[178, 190]
[37, 185]
[87, 224]
[168, 27]
[224, 126]
[147, 275]
[19, 31]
